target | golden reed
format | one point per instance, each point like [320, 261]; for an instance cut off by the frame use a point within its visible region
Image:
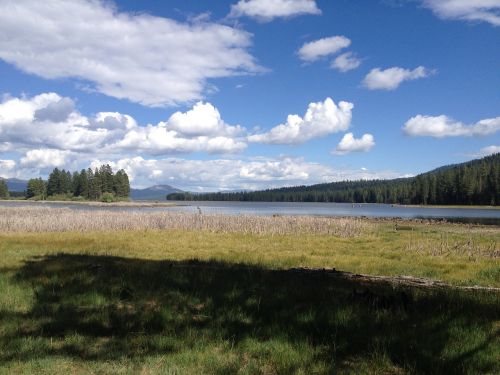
[42, 219]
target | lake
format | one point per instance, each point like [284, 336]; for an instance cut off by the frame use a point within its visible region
[472, 215]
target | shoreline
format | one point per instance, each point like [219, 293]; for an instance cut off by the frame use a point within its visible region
[465, 220]
[99, 204]
[475, 207]
[153, 203]
[471, 207]
[400, 223]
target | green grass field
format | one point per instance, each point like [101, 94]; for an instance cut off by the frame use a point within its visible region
[198, 302]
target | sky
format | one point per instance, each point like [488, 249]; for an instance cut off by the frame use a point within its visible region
[247, 94]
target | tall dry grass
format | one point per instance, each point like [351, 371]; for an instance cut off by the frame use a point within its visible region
[43, 219]
[470, 245]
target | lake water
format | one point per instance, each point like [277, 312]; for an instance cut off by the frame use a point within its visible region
[473, 215]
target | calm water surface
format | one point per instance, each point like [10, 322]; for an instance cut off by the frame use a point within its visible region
[482, 215]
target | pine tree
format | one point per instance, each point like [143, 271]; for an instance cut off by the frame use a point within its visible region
[76, 183]
[107, 178]
[121, 186]
[84, 184]
[65, 185]
[36, 188]
[95, 186]
[54, 182]
[4, 190]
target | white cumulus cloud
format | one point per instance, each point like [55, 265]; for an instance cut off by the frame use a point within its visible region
[469, 10]
[199, 129]
[485, 151]
[45, 158]
[443, 126]
[202, 119]
[345, 62]
[314, 50]
[19, 125]
[350, 144]
[391, 78]
[7, 168]
[146, 59]
[7, 165]
[321, 119]
[266, 10]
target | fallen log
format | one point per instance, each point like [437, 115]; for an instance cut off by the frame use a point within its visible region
[401, 280]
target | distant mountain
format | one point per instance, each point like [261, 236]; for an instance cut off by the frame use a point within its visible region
[157, 192]
[15, 184]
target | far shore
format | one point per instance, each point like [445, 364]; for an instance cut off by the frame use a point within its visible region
[448, 206]
[100, 204]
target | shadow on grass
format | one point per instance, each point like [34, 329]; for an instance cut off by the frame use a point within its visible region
[109, 308]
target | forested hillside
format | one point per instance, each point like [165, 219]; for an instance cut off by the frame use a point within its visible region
[476, 182]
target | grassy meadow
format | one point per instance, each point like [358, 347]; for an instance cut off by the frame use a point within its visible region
[153, 293]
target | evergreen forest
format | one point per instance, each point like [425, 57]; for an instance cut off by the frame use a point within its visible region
[476, 182]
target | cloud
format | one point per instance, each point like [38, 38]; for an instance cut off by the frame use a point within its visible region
[146, 59]
[391, 78]
[345, 62]
[5, 146]
[485, 151]
[350, 144]
[20, 126]
[200, 129]
[7, 165]
[7, 168]
[45, 158]
[203, 119]
[267, 10]
[56, 111]
[469, 10]
[321, 119]
[323, 47]
[158, 140]
[443, 126]
[229, 174]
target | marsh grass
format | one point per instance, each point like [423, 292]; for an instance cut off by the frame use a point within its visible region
[41, 219]
[102, 314]
[459, 254]
[473, 247]
[146, 293]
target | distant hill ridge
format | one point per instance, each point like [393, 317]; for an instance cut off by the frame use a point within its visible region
[156, 192]
[15, 184]
[476, 182]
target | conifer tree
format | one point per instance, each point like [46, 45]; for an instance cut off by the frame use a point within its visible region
[4, 190]
[54, 182]
[36, 188]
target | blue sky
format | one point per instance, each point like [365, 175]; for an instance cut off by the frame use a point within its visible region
[198, 94]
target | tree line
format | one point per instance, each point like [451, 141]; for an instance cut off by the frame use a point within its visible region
[99, 184]
[472, 183]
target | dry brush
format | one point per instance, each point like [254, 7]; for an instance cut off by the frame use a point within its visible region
[42, 219]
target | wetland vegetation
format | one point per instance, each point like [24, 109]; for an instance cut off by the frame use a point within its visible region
[212, 294]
